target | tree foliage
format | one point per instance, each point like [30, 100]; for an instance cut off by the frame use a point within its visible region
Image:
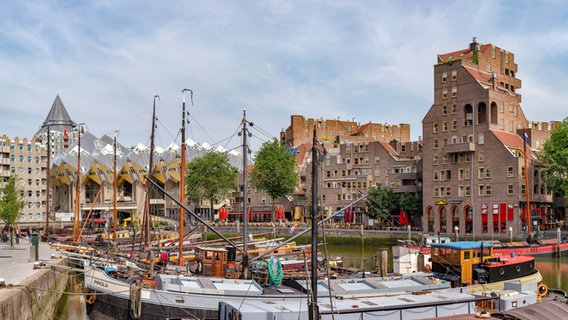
[383, 203]
[275, 170]
[412, 204]
[554, 155]
[210, 177]
[11, 204]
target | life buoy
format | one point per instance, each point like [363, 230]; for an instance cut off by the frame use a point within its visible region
[542, 290]
[427, 268]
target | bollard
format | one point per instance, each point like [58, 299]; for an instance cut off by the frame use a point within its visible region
[35, 244]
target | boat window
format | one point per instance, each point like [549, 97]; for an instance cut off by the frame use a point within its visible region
[466, 255]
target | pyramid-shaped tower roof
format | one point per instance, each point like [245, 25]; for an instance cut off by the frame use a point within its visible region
[57, 119]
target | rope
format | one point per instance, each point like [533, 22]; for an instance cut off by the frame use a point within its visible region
[275, 271]
[136, 300]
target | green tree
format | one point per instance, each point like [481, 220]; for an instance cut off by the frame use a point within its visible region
[382, 203]
[275, 171]
[11, 205]
[554, 155]
[210, 177]
[412, 204]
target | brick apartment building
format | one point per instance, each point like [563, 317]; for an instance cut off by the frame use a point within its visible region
[358, 157]
[474, 153]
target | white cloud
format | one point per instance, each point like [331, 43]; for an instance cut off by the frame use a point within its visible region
[367, 60]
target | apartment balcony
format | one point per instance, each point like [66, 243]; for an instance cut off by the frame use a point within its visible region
[460, 147]
[405, 176]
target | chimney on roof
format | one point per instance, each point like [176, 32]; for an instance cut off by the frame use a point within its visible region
[493, 79]
[474, 46]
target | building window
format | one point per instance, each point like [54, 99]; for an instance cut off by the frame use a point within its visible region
[481, 173]
[481, 190]
[481, 156]
[501, 124]
[435, 144]
[461, 174]
[445, 126]
[481, 138]
[435, 127]
[444, 77]
[523, 189]
[460, 191]
[444, 93]
[467, 191]
[454, 125]
[435, 176]
[487, 190]
[454, 75]
[487, 173]
[454, 108]
[510, 172]
[444, 159]
[510, 189]
[436, 192]
[454, 92]
[435, 160]
[444, 110]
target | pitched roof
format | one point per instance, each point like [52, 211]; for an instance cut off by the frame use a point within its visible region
[464, 54]
[57, 119]
[513, 141]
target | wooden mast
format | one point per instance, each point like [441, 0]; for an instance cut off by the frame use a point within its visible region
[150, 177]
[77, 210]
[527, 188]
[245, 262]
[114, 213]
[182, 178]
[313, 306]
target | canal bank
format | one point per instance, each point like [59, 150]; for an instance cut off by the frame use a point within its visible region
[32, 282]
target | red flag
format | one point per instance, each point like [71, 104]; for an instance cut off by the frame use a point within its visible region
[403, 217]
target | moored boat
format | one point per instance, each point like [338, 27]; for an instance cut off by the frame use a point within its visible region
[468, 263]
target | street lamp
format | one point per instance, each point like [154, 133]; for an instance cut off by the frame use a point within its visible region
[456, 229]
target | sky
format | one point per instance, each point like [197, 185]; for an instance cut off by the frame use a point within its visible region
[363, 60]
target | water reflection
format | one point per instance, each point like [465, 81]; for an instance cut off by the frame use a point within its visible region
[552, 269]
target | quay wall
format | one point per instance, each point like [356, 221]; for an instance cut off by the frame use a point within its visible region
[36, 297]
[329, 232]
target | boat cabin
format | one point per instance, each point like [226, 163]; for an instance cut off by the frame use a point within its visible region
[471, 262]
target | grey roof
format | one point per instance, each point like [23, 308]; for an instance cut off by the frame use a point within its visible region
[57, 119]
[101, 151]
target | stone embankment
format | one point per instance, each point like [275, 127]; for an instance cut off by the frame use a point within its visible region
[30, 289]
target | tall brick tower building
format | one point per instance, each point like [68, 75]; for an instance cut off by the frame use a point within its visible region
[474, 151]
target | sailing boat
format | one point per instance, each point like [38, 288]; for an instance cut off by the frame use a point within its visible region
[128, 295]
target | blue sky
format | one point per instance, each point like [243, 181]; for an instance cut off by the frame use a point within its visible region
[367, 60]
